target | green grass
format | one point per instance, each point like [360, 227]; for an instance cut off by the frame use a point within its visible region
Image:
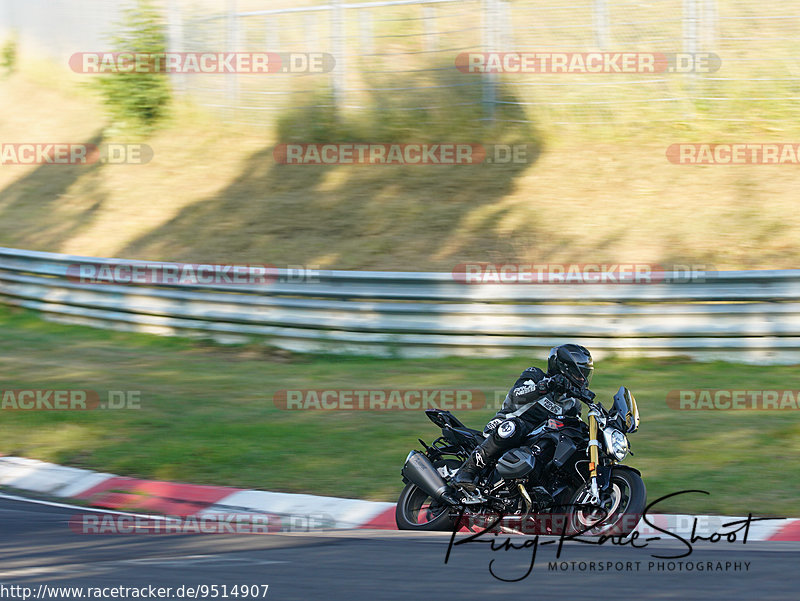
[207, 416]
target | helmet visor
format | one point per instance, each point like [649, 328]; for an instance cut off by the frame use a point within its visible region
[587, 374]
[578, 372]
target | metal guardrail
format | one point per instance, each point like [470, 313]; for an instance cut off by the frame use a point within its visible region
[737, 315]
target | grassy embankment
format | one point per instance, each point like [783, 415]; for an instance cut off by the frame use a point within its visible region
[214, 193]
[208, 416]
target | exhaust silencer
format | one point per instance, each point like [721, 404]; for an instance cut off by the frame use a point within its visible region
[419, 470]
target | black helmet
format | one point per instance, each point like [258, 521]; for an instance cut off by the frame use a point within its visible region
[572, 361]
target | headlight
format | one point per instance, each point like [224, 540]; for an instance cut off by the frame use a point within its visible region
[616, 443]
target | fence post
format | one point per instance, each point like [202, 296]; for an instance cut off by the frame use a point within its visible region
[338, 80]
[429, 21]
[489, 44]
[365, 31]
[272, 35]
[690, 26]
[175, 41]
[505, 29]
[8, 23]
[232, 42]
[310, 26]
[601, 24]
[710, 22]
[690, 47]
[5, 19]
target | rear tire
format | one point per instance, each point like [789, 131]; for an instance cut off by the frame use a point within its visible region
[416, 510]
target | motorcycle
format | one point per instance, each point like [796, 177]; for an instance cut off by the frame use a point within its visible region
[566, 477]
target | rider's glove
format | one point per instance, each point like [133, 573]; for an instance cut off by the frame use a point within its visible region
[491, 426]
[556, 383]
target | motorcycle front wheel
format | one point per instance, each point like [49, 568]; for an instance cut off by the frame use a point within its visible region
[621, 507]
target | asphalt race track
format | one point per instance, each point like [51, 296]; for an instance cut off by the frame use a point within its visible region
[37, 547]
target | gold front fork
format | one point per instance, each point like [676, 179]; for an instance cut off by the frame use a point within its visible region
[593, 442]
[594, 456]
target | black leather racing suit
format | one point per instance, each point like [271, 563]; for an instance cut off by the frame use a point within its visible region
[523, 410]
[527, 409]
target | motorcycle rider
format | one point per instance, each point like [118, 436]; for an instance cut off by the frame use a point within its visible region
[534, 398]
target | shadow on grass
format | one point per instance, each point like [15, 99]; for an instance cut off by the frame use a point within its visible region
[44, 193]
[355, 216]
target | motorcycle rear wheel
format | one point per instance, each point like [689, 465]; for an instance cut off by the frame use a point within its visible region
[416, 510]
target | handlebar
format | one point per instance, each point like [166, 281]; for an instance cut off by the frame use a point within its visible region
[585, 395]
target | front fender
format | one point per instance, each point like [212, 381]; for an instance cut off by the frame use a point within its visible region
[604, 473]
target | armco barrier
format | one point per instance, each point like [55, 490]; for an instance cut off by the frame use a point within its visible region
[743, 316]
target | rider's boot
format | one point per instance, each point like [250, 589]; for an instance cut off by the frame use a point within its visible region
[483, 457]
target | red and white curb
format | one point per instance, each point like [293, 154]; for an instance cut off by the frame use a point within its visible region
[109, 491]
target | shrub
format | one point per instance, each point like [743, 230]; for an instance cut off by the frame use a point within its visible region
[138, 100]
[8, 55]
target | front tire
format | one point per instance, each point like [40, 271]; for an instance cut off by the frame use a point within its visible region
[623, 505]
[416, 510]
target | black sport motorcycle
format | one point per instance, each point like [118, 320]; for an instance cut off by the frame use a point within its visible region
[566, 477]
